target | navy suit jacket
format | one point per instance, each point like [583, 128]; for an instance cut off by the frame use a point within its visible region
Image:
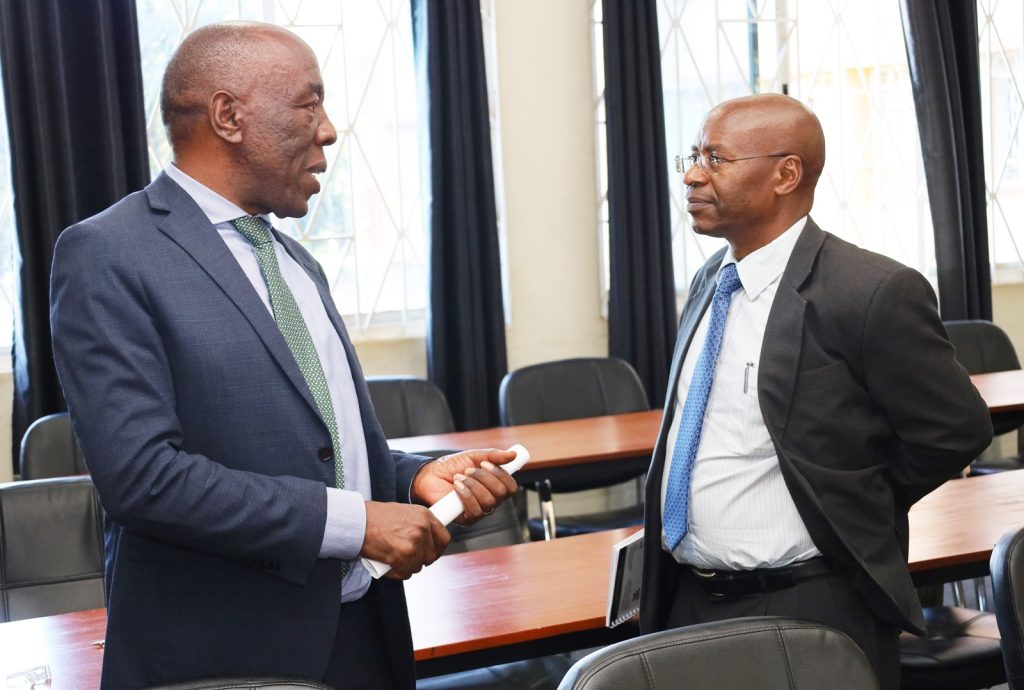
[866, 406]
[205, 446]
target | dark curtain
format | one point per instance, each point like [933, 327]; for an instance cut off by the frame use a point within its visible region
[73, 90]
[942, 50]
[641, 300]
[466, 322]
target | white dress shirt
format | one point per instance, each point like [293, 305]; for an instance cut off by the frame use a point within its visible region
[346, 509]
[741, 513]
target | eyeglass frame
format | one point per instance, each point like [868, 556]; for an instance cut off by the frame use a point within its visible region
[711, 161]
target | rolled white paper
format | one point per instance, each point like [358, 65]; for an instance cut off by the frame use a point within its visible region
[450, 506]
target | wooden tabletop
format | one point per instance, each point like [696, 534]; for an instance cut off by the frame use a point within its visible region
[554, 444]
[959, 523]
[543, 591]
[614, 437]
[1003, 391]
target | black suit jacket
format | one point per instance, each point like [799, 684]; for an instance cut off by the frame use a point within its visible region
[865, 404]
[206, 448]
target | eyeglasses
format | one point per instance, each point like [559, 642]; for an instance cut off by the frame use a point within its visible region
[709, 162]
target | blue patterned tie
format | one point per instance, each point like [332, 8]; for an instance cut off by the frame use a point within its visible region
[677, 497]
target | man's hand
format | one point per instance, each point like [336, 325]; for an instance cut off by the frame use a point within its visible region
[406, 537]
[475, 474]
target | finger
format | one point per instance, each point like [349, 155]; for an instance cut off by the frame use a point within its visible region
[471, 508]
[510, 483]
[491, 480]
[493, 455]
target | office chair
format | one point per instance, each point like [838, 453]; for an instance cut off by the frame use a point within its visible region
[51, 548]
[1007, 566]
[960, 651]
[408, 406]
[243, 684]
[49, 449]
[983, 347]
[768, 653]
[572, 389]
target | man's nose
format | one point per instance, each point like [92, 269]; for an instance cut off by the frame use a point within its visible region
[326, 134]
[695, 175]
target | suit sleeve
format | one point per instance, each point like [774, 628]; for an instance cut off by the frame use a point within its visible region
[112, 365]
[940, 421]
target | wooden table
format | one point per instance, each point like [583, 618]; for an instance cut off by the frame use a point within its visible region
[520, 601]
[559, 446]
[1003, 391]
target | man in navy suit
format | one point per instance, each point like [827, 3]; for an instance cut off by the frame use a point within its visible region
[221, 407]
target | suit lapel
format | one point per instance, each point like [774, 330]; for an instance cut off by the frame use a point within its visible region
[783, 334]
[189, 227]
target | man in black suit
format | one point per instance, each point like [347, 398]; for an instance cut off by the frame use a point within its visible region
[810, 406]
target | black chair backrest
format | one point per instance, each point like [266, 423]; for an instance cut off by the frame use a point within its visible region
[51, 548]
[501, 528]
[766, 653]
[49, 449]
[983, 347]
[1007, 567]
[243, 684]
[408, 406]
[570, 389]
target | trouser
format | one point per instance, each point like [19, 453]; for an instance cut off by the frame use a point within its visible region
[359, 660]
[829, 598]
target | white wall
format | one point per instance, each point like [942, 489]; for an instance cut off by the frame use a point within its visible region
[547, 138]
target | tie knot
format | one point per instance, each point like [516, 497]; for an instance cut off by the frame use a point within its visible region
[253, 229]
[728, 280]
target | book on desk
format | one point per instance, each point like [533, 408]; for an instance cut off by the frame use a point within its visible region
[627, 564]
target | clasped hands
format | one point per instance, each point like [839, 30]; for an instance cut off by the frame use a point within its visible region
[408, 536]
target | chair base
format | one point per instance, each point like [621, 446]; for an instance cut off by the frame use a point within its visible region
[961, 651]
[571, 525]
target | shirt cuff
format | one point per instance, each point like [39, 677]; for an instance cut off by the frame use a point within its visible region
[346, 524]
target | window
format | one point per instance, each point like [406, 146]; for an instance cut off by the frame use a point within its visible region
[367, 227]
[7, 243]
[845, 60]
[1000, 42]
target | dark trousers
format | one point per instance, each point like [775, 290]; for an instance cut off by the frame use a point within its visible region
[359, 660]
[830, 599]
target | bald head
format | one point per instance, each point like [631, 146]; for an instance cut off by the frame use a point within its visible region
[229, 56]
[759, 158]
[784, 123]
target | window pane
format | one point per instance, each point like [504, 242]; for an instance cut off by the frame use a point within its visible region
[7, 240]
[1000, 42]
[846, 61]
[367, 226]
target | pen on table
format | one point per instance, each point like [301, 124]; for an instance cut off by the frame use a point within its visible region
[746, 375]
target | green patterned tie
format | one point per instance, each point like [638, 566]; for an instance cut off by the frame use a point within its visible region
[293, 328]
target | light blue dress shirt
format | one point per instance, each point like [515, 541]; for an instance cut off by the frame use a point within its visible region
[346, 509]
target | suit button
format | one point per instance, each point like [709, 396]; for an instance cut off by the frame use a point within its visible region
[325, 454]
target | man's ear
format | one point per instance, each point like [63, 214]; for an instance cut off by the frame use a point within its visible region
[790, 175]
[226, 116]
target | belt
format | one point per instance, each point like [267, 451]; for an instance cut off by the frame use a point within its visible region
[737, 583]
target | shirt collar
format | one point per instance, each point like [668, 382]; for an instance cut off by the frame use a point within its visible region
[217, 208]
[760, 268]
